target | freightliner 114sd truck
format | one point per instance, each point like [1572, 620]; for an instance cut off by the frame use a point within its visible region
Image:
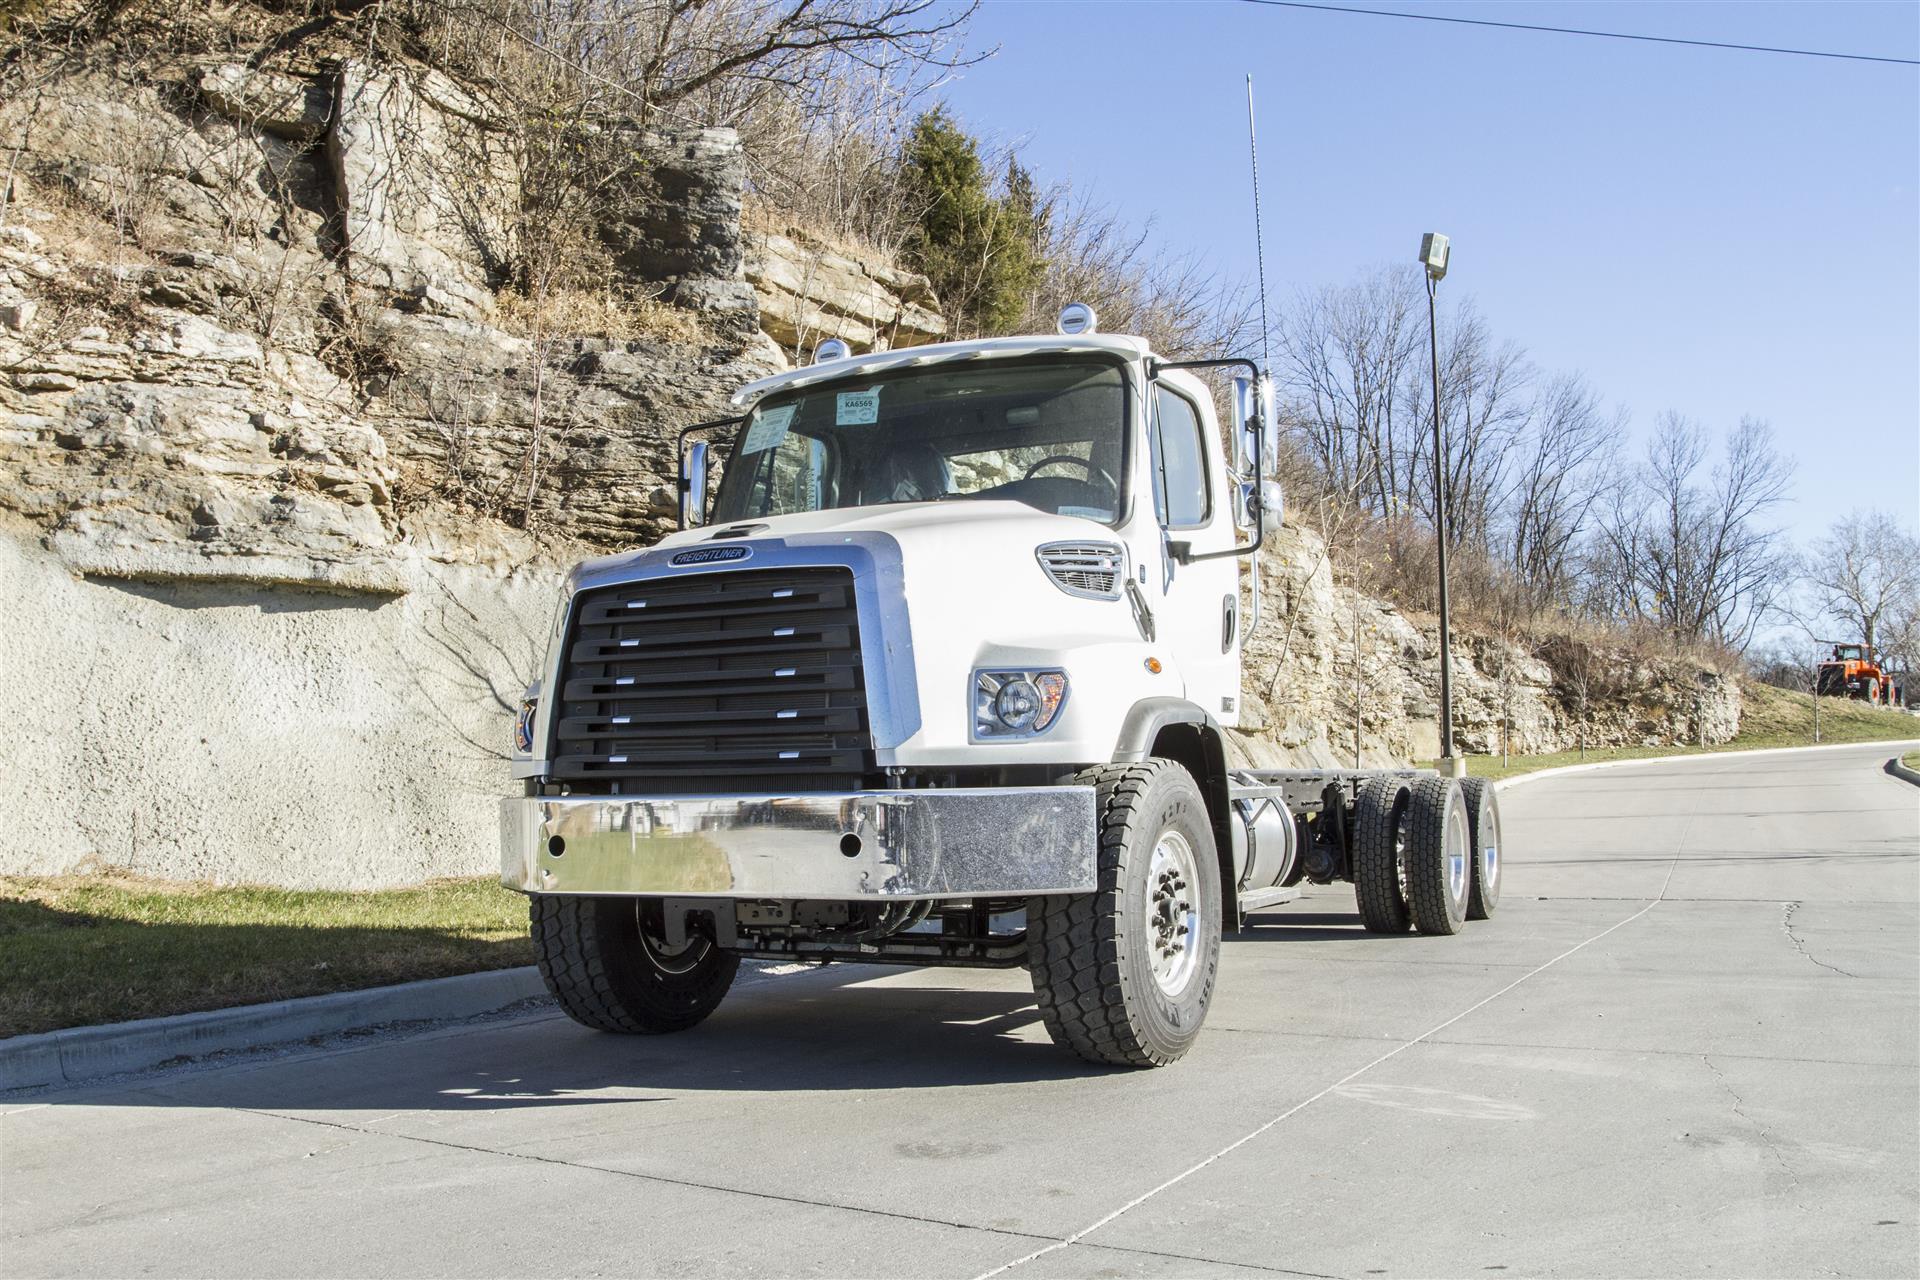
[937, 674]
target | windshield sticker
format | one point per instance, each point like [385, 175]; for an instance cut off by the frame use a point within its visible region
[768, 429]
[1087, 513]
[856, 408]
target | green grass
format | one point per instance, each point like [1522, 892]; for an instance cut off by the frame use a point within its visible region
[1770, 718]
[80, 950]
[1911, 760]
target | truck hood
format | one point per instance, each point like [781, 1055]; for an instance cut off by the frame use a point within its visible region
[908, 521]
[959, 527]
[950, 588]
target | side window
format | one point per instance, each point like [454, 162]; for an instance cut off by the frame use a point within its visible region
[1180, 495]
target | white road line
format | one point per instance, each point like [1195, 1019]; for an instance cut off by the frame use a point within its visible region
[1298, 1107]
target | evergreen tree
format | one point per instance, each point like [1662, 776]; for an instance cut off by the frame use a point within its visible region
[979, 249]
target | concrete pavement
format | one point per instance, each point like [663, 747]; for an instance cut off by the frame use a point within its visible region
[1688, 1044]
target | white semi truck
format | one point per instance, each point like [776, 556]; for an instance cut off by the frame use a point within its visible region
[938, 674]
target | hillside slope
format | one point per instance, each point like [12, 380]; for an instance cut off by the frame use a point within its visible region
[288, 476]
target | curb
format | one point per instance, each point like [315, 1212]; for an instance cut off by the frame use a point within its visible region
[1504, 783]
[87, 1053]
[1901, 771]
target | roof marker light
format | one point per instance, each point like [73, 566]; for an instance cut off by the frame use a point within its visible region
[831, 349]
[1077, 318]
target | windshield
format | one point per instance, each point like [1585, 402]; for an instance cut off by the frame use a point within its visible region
[1051, 435]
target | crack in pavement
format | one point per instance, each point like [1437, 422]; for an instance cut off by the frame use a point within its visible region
[1786, 927]
[1194, 1257]
[1618, 1050]
[1739, 1109]
[765, 1195]
[645, 1177]
[1070, 1240]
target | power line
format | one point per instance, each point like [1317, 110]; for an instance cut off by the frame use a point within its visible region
[1579, 31]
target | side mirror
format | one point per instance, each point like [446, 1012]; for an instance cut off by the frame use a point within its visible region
[693, 487]
[1269, 425]
[1243, 412]
[1254, 425]
[1258, 498]
[1273, 503]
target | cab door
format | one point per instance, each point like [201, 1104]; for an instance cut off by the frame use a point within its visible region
[1198, 608]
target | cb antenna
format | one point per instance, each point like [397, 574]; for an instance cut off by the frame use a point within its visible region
[1259, 240]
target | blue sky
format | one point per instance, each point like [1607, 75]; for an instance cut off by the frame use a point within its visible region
[1714, 232]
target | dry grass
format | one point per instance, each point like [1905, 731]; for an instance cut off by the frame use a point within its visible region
[599, 313]
[81, 950]
[758, 217]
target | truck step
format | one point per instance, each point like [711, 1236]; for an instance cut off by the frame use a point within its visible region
[1259, 898]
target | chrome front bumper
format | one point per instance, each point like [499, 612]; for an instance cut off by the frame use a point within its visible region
[997, 842]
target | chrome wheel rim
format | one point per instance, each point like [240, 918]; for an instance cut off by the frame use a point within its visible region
[1459, 848]
[1173, 919]
[673, 960]
[1490, 851]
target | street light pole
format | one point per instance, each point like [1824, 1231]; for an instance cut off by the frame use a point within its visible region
[1433, 256]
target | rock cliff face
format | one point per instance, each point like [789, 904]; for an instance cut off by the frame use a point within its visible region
[268, 389]
[283, 493]
[1331, 672]
[808, 292]
[286, 483]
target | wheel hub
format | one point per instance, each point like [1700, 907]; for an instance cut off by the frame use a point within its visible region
[1173, 921]
[667, 958]
[1490, 853]
[1459, 850]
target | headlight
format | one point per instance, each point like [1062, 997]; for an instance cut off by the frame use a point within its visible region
[1016, 704]
[523, 727]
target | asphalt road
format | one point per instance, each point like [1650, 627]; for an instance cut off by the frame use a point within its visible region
[1686, 1046]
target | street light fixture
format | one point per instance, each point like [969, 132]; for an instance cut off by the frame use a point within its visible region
[1434, 251]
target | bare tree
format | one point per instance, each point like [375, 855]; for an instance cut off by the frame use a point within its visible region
[1486, 407]
[1900, 640]
[1559, 477]
[702, 61]
[1346, 359]
[1864, 574]
[1686, 545]
[1090, 255]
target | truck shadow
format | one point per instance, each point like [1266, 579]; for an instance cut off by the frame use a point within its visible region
[816, 1032]
[1282, 925]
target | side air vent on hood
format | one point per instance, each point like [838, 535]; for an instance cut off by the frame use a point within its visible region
[1090, 569]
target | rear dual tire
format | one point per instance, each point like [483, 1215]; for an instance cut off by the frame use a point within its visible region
[1380, 855]
[1413, 855]
[1440, 856]
[1483, 824]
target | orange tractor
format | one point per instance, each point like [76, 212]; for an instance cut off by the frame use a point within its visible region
[1853, 672]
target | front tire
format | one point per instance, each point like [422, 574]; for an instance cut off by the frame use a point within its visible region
[605, 961]
[1124, 974]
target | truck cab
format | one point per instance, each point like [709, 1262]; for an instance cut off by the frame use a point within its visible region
[936, 673]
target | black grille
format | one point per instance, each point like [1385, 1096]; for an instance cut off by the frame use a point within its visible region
[717, 682]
